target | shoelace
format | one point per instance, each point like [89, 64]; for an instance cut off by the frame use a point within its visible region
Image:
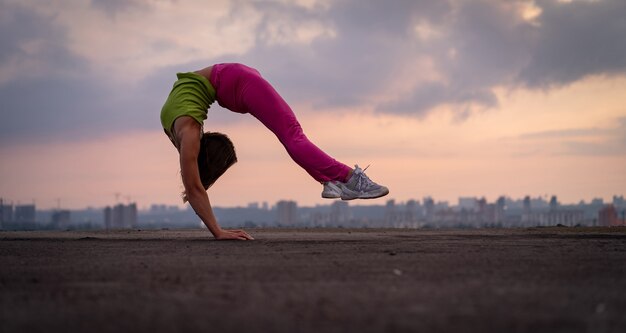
[362, 180]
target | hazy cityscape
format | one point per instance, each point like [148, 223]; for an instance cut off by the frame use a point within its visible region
[467, 212]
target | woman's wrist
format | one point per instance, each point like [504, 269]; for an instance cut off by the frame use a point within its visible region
[216, 232]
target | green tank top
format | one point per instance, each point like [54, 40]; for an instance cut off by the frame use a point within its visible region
[192, 95]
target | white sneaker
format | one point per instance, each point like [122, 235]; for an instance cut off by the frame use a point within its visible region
[359, 186]
[331, 190]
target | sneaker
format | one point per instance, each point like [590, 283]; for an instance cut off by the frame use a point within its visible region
[331, 190]
[359, 186]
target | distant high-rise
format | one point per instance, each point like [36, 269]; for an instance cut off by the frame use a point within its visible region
[607, 217]
[597, 202]
[287, 212]
[120, 216]
[61, 219]
[554, 203]
[467, 203]
[391, 215]
[429, 208]
[527, 205]
[500, 215]
[25, 214]
[340, 213]
[412, 207]
[482, 206]
[526, 210]
[6, 213]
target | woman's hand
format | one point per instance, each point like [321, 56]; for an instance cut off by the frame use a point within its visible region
[233, 235]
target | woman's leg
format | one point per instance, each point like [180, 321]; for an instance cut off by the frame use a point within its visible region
[242, 89]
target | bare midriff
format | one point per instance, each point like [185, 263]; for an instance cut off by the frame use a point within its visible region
[206, 72]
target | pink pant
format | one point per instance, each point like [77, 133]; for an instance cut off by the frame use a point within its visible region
[241, 89]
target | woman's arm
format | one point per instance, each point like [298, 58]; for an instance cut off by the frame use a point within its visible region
[187, 133]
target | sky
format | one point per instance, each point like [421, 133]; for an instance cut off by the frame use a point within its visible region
[441, 98]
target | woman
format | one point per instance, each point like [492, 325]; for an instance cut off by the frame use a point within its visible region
[204, 157]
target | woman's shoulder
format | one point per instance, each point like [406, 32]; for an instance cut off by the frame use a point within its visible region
[185, 127]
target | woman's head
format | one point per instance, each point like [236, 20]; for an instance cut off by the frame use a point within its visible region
[217, 154]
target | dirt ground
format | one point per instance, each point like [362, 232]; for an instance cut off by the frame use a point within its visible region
[315, 280]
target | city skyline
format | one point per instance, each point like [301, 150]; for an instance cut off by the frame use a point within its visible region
[454, 98]
[120, 198]
[468, 212]
[459, 201]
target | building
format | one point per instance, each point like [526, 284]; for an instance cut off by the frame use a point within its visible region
[340, 213]
[24, 214]
[287, 213]
[60, 219]
[6, 213]
[429, 209]
[412, 211]
[526, 210]
[392, 217]
[607, 217]
[500, 211]
[120, 216]
[568, 218]
[467, 203]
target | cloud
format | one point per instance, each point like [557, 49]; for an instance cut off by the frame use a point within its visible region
[590, 141]
[574, 40]
[560, 134]
[348, 64]
[471, 48]
[59, 65]
[32, 45]
[39, 77]
[63, 108]
[64, 77]
[114, 7]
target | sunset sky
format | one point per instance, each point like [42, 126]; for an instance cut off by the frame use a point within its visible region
[442, 98]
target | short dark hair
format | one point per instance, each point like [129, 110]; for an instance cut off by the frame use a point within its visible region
[217, 154]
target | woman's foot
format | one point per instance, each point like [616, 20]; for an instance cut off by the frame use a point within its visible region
[358, 186]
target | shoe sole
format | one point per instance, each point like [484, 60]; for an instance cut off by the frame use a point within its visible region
[364, 196]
